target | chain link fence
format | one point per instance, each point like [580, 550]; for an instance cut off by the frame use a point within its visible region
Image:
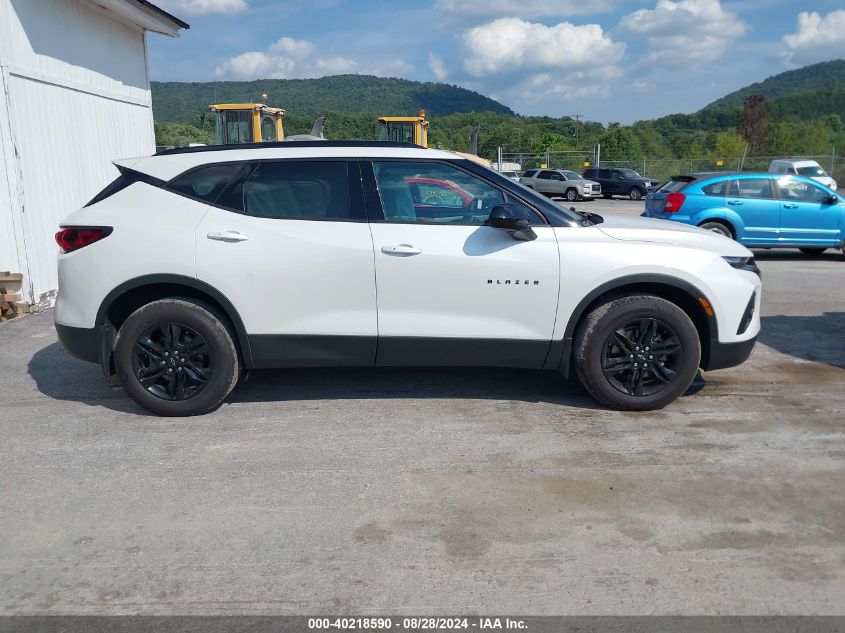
[663, 169]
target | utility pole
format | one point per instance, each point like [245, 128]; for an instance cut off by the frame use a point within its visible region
[577, 118]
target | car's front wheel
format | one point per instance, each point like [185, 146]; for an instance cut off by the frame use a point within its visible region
[572, 195]
[636, 193]
[176, 357]
[637, 353]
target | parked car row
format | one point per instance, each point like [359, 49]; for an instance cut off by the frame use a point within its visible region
[594, 183]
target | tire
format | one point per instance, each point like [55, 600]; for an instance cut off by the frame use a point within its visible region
[154, 336]
[635, 194]
[571, 195]
[812, 251]
[668, 329]
[717, 227]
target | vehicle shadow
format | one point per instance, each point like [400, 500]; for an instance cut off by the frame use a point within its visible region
[62, 377]
[786, 255]
[819, 338]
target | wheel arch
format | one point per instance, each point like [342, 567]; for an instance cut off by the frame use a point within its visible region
[132, 294]
[682, 293]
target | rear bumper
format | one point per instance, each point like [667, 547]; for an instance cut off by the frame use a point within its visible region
[724, 355]
[83, 343]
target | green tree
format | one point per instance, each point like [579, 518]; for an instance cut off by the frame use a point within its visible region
[620, 143]
[729, 146]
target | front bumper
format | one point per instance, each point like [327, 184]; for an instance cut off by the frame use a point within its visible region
[724, 355]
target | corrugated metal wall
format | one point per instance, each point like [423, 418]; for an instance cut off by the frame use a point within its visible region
[78, 97]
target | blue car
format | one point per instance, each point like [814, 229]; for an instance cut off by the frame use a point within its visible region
[758, 210]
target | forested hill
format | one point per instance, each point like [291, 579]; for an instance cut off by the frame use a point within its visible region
[822, 78]
[179, 102]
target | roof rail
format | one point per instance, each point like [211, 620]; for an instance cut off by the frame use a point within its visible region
[284, 144]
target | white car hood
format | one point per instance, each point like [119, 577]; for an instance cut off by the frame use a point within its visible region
[630, 229]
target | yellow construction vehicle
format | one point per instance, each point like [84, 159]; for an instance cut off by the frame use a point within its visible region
[405, 129]
[247, 123]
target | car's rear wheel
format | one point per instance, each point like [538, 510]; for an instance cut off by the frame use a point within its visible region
[636, 193]
[636, 353]
[572, 195]
[717, 227]
[176, 357]
[812, 251]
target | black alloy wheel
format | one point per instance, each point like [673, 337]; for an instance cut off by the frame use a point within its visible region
[172, 361]
[642, 357]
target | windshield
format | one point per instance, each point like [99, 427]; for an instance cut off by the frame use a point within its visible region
[571, 175]
[815, 170]
[629, 173]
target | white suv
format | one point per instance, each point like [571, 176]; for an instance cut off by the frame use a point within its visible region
[199, 264]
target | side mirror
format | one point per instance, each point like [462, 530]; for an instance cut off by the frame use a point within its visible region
[831, 200]
[514, 219]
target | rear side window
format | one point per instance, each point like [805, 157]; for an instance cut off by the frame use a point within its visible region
[674, 185]
[719, 188]
[545, 175]
[307, 190]
[530, 173]
[759, 188]
[127, 177]
[205, 183]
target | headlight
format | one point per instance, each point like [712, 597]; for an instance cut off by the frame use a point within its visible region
[743, 263]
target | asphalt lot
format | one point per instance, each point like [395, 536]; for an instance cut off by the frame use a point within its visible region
[436, 491]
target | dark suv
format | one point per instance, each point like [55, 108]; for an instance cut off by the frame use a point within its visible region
[621, 182]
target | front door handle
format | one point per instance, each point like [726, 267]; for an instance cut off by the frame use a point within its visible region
[402, 250]
[735, 202]
[790, 205]
[228, 236]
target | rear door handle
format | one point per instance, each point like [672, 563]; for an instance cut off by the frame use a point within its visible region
[401, 250]
[227, 236]
[735, 202]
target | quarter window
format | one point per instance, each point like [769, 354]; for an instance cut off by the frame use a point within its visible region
[719, 188]
[307, 190]
[759, 188]
[205, 183]
[433, 193]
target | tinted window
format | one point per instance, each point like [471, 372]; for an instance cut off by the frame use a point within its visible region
[205, 183]
[674, 185]
[591, 173]
[718, 188]
[307, 190]
[126, 178]
[530, 173]
[433, 193]
[545, 175]
[751, 188]
[794, 190]
[604, 173]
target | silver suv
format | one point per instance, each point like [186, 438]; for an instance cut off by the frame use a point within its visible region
[561, 183]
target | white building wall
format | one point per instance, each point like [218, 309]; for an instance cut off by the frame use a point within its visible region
[76, 97]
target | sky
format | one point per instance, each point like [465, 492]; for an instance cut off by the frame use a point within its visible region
[608, 60]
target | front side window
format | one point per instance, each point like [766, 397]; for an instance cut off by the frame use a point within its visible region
[205, 183]
[293, 190]
[571, 175]
[759, 188]
[433, 193]
[794, 190]
[604, 173]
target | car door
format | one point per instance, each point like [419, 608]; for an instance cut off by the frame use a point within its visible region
[451, 289]
[544, 182]
[754, 201]
[289, 245]
[807, 217]
[606, 181]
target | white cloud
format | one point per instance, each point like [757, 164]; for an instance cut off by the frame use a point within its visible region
[525, 8]
[395, 67]
[202, 7]
[817, 38]
[511, 43]
[288, 58]
[437, 67]
[337, 65]
[685, 31]
[290, 47]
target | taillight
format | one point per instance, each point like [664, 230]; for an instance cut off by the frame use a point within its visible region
[73, 238]
[674, 202]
